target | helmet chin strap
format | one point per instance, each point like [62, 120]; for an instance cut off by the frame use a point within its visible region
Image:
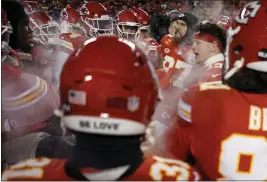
[237, 65]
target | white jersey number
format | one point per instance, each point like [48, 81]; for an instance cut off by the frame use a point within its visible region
[31, 169]
[170, 168]
[243, 157]
[169, 62]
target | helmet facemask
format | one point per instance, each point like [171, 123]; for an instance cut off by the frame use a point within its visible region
[128, 30]
[48, 33]
[66, 27]
[100, 26]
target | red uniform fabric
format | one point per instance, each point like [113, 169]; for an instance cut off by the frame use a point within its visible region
[164, 77]
[183, 78]
[174, 81]
[172, 54]
[24, 95]
[71, 41]
[224, 129]
[153, 168]
[212, 69]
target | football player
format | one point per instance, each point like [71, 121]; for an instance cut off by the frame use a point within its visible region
[224, 126]
[144, 19]
[28, 130]
[209, 46]
[108, 97]
[72, 36]
[180, 31]
[128, 25]
[210, 42]
[45, 34]
[95, 19]
[19, 21]
[28, 102]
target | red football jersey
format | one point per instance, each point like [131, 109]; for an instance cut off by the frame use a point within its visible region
[224, 129]
[153, 168]
[173, 82]
[172, 54]
[71, 41]
[164, 77]
[212, 69]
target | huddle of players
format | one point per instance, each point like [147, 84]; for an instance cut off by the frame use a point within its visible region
[106, 105]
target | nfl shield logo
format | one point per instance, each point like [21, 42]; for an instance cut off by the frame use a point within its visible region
[133, 103]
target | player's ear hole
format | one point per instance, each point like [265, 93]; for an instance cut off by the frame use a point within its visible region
[127, 87]
[238, 49]
[262, 54]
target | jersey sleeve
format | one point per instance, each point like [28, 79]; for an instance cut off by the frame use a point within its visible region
[192, 101]
[165, 41]
[65, 44]
[179, 137]
[184, 106]
[77, 40]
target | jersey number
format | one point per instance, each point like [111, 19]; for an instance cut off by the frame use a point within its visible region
[31, 169]
[169, 168]
[243, 157]
[169, 62]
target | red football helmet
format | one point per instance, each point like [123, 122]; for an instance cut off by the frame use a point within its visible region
[70, 21]
[44, 27]
[144, 19]
[224, 21]
[96, 19]
[247, 45]
[112, 92]
[128, 24]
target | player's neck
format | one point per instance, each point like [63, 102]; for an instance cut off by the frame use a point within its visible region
[102, 152]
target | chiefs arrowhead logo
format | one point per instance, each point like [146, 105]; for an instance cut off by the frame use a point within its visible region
[249, 11]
